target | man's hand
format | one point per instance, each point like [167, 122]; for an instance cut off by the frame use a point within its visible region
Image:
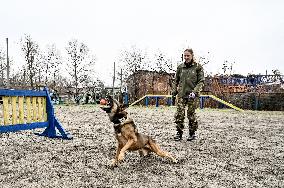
[192, 95]
[174, 93]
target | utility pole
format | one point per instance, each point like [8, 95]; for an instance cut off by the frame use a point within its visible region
[121, 85]
[8, 66]
[46, 71]
[39, 80]
[225, 66]
[120, 79]
[113, 80]
[2, 71]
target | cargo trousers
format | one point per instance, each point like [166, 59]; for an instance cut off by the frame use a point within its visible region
[191, 105]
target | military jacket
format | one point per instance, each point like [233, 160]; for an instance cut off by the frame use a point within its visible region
[189, 78]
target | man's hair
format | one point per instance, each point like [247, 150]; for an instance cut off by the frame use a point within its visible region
[189, 50]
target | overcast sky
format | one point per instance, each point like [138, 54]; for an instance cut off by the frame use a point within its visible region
[247, 32]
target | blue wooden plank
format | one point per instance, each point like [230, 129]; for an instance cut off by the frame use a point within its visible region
[7, 92]
[53, 122]
[50, 116]
[62, 131]
[20, 127]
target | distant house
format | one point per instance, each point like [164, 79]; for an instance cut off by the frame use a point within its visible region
[112, 91]
[145, 82]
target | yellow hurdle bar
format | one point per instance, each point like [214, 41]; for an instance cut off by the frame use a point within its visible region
[39, 118]
[6, 114]
[34, 109]
[14, 111]
[44, 109]
[148, 96]
[226, 103]
[21, 110]
[28, 103]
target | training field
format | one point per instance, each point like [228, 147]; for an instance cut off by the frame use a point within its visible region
[234, 149]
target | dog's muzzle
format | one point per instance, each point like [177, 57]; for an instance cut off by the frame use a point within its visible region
[107, 109]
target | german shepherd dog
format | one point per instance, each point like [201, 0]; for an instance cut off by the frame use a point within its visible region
[127, 134]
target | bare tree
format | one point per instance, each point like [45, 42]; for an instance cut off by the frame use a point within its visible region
[204, 60]
[80, 63]
[163, 65]
[131, 62]
[2, 66]
[278, 75]
[53, 61]
[39, 62]
[30, 49]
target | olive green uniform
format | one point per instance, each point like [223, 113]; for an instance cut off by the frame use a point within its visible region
[189, 78]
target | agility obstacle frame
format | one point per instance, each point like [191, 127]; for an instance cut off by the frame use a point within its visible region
[168, 98]
[29, 109]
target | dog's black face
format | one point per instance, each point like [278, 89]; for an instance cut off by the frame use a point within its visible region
[115, 110]
[109, 106]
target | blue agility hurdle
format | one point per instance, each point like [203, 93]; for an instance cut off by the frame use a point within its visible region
[156, 97]
[169, 100]
[30, 110]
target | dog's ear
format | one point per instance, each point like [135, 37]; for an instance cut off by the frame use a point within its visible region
[110, 98]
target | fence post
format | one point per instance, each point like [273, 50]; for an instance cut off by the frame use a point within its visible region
[147, 101]
[157, 101]
[125, 97]
[201, 99]
[169, 101]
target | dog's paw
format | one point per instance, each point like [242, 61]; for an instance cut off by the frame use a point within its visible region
[120, 157]
[175, 161]
[113, 163]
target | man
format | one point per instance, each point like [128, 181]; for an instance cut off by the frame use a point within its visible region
[189, 81]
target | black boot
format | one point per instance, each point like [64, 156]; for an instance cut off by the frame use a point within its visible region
[178, 136]
[191, 136]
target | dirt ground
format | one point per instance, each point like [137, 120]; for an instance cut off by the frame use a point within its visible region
[234, 149]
